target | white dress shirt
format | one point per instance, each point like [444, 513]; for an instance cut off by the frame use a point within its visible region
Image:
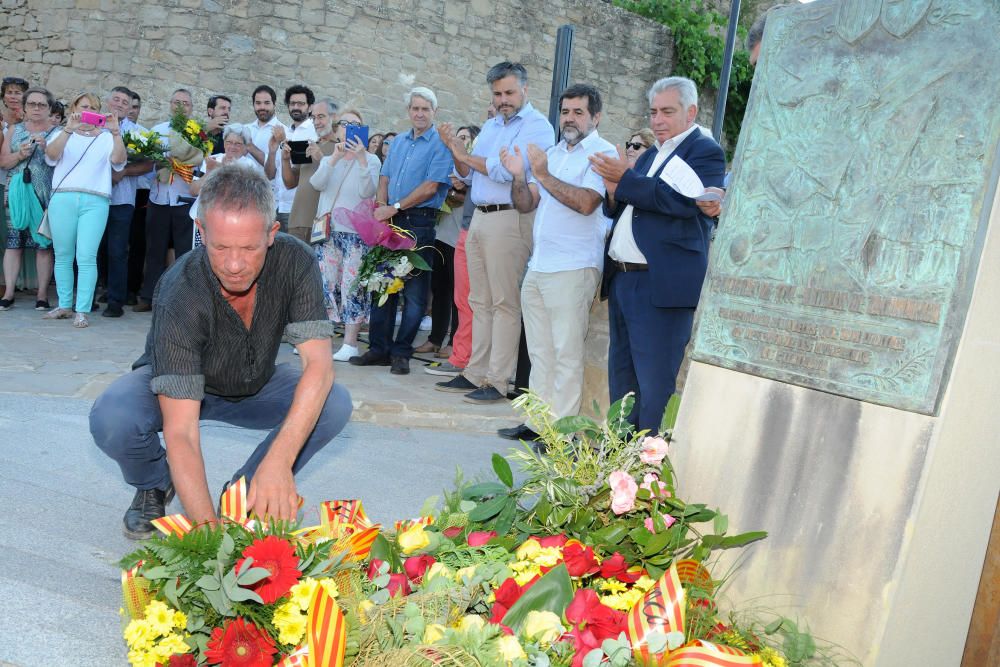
[123, 192]
[623, 247]
[565, 240]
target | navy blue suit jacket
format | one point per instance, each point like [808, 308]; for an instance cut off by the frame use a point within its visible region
[669, 229]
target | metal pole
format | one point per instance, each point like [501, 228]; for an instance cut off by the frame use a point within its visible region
[727, 66]
[560, 72]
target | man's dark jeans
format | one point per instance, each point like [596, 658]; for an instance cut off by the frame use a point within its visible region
[116, 234]
[416, 292]
[126, 420]
[165, 226]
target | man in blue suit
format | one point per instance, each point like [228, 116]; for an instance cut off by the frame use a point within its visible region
[657, 253]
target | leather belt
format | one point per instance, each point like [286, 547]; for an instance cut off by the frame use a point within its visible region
[631, 266]
[493, 208]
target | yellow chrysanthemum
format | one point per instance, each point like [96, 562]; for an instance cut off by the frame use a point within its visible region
[330, 586]
[433, 632]
[290, 622]
[644, 583]
[771, 658]
[160, 617]
[613, 586]
[364, 607]
[394, 286]
[465, 572]
[180, 619]
[302, 593]
[139, 635]
[548, 556]
[193, 127]
[173, 643]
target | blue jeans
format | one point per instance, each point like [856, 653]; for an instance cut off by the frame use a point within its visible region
[119, 227]
[125, 423]
[77, 220]
[416, 292]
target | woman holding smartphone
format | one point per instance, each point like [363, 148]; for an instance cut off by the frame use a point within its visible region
[83, 153]
[24, 156]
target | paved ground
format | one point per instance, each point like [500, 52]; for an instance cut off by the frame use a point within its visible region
[61, 500]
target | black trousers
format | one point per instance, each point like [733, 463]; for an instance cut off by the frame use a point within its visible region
[166, 226]
[444, 313]
[137, 242]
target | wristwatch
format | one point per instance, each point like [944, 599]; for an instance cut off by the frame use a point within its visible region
[397, 206]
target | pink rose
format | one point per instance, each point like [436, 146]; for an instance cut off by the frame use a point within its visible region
[479, 538]
[667, 521]
[647, 483]
[654, 450]
[623, 489]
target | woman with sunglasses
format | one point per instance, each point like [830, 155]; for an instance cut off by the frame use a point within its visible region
[638, 144]
[83, 155]
[23, 155]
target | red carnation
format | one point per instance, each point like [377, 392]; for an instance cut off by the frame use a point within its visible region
[278, 557]
[616, 568]
[416, 567]
[580, 560]
[479, 538]
[240, 644]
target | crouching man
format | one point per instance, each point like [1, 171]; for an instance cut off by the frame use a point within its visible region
[219, 316]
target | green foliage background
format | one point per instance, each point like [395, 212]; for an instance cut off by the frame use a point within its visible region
[699, 42]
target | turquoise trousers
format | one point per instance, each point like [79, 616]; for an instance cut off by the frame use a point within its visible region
[77, 220]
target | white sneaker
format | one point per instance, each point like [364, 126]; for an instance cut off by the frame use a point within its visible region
[345, 353]
[425, 324]
[399, 318]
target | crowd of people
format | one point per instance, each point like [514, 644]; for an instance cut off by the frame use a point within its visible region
[523, 226]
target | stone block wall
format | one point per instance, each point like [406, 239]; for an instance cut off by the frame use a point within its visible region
[360, 52]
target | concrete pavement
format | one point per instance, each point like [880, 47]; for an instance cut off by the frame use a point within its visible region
[61, 499]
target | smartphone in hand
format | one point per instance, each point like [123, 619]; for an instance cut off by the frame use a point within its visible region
[91, 118]
[359, 132]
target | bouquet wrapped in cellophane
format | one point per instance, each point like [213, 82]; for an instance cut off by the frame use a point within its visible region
[188, 145]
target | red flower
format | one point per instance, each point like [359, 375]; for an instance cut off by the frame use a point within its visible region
[416, 567]
[505, 596]
[552, 541]
[579, 560]
[373, 567]
[453, 532]
[586, 612]
[240, 643]
[180, 660]
[616, 567]
[278, 557]
[478, 539]
[398, 584]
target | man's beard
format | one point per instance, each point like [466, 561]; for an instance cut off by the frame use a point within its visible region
[264, 115]
[573, 135]
[297, 115]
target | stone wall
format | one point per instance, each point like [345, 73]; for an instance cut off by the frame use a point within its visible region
[361, 52]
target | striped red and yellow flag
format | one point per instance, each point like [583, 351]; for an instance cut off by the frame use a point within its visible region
[361, 543]
[177, 524]
[661, 609]
[299, 658]
[403, 524]
[135, 592]
[710, 655]
[343, 512]
[233, 505]
[326, 631]
[693, 573]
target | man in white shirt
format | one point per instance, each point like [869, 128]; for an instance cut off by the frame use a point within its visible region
[568, 251]
[298, 100]
[167, 221]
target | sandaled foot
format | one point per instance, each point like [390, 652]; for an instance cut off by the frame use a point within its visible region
[80, 321]
[58, 314]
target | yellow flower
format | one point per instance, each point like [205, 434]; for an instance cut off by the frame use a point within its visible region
[437, 570]
[180, 619]
[433, 632]
[131, 147]
[542, 626]
[138, 658]
[613, 586]
[364, 607]
[160, 617]
[771, 658]
[471, 622]
[330, 586]
[394, 286]
[139, 635]
[548, 556]
[413, 538]
[173, 643]
[510, 648]
[193, 127]
[302, 593]
[528, 550]
[290, 623]
[644, 583]
[527, 575]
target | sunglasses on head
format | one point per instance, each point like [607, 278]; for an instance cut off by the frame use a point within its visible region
[634, 145]
[14, 80]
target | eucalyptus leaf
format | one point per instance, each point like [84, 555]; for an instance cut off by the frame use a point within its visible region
[674, 639]
[380, 596]
[594, 658]
[502, 468]
[252, 576]
[243, 594]
[227, 547]
[208, 583]
[381, 581]
[466, 506]
[656, 641]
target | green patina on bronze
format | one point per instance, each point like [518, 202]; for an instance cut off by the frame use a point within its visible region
[863, 185]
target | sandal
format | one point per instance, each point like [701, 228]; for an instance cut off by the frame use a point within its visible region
[58, 314]
[80, 321]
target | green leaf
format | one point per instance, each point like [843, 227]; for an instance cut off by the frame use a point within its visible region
[489, 509]
[670, 414]
[483, 490]
[252, 576]
[721, 524]
[742, 539]
[506, 517]
[612, 534]
[466, 506]
[159, 572]
[208, 583]
[594, 658]
[384, 550]
[417, 261]
[243, 594]
[502, 468]
[657, 543]
[553, 592]
[773, 626]
[573, 423]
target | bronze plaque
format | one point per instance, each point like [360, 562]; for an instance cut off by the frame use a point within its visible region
[864, 178]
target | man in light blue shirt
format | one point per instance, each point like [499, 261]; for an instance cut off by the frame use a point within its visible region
[411, 188]
[499, 240]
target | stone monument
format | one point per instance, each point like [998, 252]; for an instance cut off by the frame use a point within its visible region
[842, 394]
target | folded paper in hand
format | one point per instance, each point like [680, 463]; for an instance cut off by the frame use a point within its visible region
[679, 175]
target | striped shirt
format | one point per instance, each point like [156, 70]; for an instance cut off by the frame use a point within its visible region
[198, 344]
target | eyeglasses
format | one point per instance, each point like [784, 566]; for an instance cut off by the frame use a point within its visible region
[635, 145]
[37, 105]
[348, 123]
[239, 144]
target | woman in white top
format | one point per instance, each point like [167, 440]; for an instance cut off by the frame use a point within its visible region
[344, 179]
[83, 155]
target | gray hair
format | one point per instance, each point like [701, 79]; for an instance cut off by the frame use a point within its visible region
[237, 187]
[242, 131]
[505, 69]
[685, 88]
[331, 106]
[422, 93]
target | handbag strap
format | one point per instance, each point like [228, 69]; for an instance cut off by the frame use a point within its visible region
[339, 187]
[66, 175]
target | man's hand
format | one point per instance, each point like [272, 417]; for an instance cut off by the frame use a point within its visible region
[512, 162]
[454, 144]
[213, 125]
[712, 209]
[272, 491]
[314, 153]
[278, 134]
[609, 168]
[385, 212]
[538, 160]
[211, 164]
